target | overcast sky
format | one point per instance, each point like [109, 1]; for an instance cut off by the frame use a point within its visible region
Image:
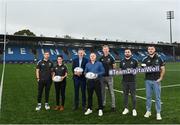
[141, 20]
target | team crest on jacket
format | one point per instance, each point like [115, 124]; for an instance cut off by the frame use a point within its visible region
[157, 61]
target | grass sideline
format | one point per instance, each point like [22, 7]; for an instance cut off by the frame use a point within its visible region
[20, 92]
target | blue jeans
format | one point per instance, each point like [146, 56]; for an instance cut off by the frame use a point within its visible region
[153, 86]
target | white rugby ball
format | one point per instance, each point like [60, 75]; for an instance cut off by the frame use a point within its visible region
[78, 69]
[57, 79]
[143, 65]
[91, 75]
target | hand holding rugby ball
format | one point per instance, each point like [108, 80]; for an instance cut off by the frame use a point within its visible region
[143, 65]
[91, 75]
[57, 78]
[78, 71]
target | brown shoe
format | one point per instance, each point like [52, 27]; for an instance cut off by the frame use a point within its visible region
[57, 108]
[61, 108]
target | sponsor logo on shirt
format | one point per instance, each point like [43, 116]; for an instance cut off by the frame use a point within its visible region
[49, 64]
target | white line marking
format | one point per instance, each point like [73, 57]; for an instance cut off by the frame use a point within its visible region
[4, 57]
[1, 86]
[167, 86]
[173, 70]
[136, 95]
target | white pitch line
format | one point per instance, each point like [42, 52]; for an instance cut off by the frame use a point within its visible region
[136, 96]
[167, 86]
[1, 86]
[4, 57]
[173, 70]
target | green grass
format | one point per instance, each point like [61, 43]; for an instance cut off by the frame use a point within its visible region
[1, 67]
[20, 92]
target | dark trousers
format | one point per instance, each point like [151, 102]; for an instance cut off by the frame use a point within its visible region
[129, 87]
[80, 83]
[94, 85]
[41, 85]
[60, 88]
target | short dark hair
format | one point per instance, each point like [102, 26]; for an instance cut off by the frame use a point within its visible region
[80, 49]
[46, 52]
[105, 46]
[152, 45]
[127, 49]
[60, 56]
[92, 53]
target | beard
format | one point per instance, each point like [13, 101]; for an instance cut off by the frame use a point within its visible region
[152, 53]
[127, 56]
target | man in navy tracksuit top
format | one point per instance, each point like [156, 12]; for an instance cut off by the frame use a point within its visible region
[44, 70]
[153, 81]
[129, 81]
[97, 68]
[79, 79]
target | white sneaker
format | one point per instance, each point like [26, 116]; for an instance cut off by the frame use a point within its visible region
[148, 114]
[158, 116]
[134, 112]
[100, 113]
[89, 111]
[38, 107]
[47, 107]
[126, 111]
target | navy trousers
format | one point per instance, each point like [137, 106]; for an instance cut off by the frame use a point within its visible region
[80, 83]
[60, 88]
[41, 85]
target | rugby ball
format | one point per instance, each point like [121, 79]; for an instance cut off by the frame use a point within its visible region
[143, 65]
[57, 79]
[91, 75]
[78, 69]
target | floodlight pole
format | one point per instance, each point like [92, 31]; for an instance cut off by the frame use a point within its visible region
[170, 16]
[4, 57]
[5, 32]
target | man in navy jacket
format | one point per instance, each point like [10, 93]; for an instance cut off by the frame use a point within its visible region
[79, 79]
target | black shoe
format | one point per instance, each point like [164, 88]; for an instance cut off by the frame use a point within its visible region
[113, 109]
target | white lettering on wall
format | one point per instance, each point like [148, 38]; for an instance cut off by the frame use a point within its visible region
[74, 52]
[42, 50]
[22, 51]
[10, 51]
[54, 52]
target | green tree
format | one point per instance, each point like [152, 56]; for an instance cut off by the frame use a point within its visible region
[25, 32]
